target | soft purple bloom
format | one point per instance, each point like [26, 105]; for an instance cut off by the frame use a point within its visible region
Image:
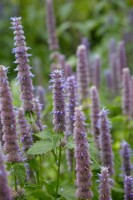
[96, 72]
[122, 58]
[126, 161]
[105, 184]
[8, 120]
[24, 75]
[58, 100]
[126, 100]
[109, 79]
[51, 26]
[25, 130]
[82, 72]
[95, 109]
[131, 96]
[71, 95]
[37, 110]
[1, 132]
[5, 191]
[83, 171]
[40, 93]
[105, 141]
[116, 72]
[128, 188]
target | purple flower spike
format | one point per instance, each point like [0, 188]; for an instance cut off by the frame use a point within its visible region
[83, 171]
[37, 109]
[96, 72]
[122, 58]
[58, 100]
[24, 75]
[95, 109]
[126, 162]
[40, 94]
[8, 120]
[116, 72]
[71, 104]
[51, 26]
[25, 130]
[128, 188]
[126, 100]
[105, 141]
[5, 192]
[131, 95]
[105, 184]
[1, 132]
[82, 72]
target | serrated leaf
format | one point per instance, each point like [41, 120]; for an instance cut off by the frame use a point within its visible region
[40, 147]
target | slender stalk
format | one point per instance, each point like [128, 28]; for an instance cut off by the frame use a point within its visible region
[58, 173]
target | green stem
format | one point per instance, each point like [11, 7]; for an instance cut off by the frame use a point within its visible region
[58, 173]
[40, 170]
[15, 182]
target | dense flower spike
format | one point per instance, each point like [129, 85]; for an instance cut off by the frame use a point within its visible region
[51, 26]
[40, 93]
[82, 72]
[83, 172]
[24, 75]
[131, 96]
[112, 46]
[126, 100]
[71, 104]
[5, 193]
[1, 132]
[58, 100]
[128, 188]
[126, 162]
[105, 184]
[116, 72]
[105, 141]
[95, 109]
[109, 79]
[8, 119]
[96, 72]
[37, 109]
[122, 58]
[25, 130]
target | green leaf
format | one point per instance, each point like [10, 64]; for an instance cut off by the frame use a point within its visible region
[40, 147]
[68, 192]
[18, 170]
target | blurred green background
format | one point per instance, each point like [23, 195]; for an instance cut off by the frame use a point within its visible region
[98, 20]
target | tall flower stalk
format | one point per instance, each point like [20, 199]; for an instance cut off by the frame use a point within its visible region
[122, 58]
[105, 184]
[57, 79]
[126, 99]
[126, 161]
[128, 188]
[95, 109]
[25, 130]
[38, 121]
[105, 141]
[71, 104]
[5, 191]
[96, 72]
[82, 72]
[51, 26]
[83, 171]
[8, 119]
[24, 75]
[58, 101]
